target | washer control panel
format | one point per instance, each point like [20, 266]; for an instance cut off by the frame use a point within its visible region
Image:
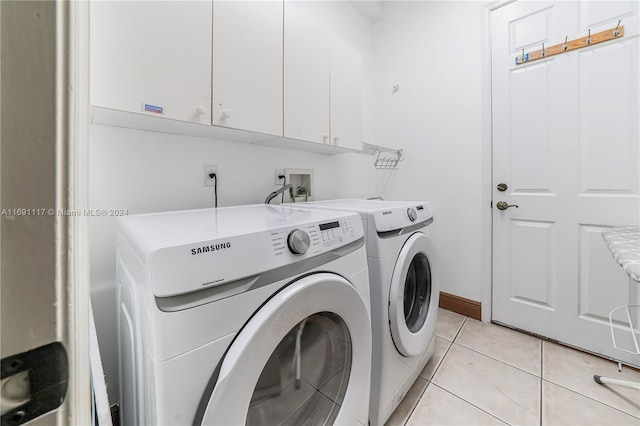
[316, 238]
[193, 250]
[333, 232]
[298, 241]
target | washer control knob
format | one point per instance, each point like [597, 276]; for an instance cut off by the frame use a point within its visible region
[413, 215]
[298, 241]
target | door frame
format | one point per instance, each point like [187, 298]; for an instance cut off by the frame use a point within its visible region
[487, 166]
[81, 327]
[62, 158]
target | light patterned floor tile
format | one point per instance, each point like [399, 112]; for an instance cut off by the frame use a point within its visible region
[403, 411]
[439, 407]
[574, 370]
[564, 407]
[441, 347]
[510, 346]
[503, 391]
[448, 324]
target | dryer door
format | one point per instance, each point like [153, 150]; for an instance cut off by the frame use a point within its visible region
[303, 357]
[413, 296]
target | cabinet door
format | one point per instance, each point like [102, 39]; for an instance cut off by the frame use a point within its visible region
[306, 77]
[247, 65]
[155, 54]
[346, 95]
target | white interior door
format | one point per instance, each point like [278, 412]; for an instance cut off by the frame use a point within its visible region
[565, 142]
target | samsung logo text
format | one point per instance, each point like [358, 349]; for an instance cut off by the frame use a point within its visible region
[212, 247]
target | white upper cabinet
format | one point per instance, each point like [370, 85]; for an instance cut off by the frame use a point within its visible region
[268, 67]
[152, 57]
[247, 65]
[322, 83]
[346, 95]
[306, 77]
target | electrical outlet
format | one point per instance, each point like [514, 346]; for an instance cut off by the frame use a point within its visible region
[208, 170]
[279, 172]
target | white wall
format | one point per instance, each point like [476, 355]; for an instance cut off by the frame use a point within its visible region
[150, 172]
[434, 51]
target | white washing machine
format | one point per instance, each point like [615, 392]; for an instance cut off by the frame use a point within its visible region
[244, 315]
[405, 293]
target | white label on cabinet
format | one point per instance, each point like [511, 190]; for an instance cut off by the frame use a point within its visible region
[153, 108]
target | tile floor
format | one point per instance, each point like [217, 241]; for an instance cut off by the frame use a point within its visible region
[485, 374]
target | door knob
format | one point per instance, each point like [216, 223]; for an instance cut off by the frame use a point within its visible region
[501, 205]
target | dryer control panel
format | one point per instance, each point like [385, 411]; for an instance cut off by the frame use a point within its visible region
[400, 217]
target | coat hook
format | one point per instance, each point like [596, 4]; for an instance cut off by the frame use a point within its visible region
[616, 32]
[589, 38]
[565, 46]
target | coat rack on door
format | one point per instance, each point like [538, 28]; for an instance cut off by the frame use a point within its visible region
[589, 40]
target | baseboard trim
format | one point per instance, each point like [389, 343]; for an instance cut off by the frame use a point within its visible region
[460, 305]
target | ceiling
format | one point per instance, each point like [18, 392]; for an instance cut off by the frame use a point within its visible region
[371, 9]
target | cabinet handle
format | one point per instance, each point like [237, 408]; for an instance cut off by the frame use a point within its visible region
[325, 139]
[226, 114]
[200, 110]
[336, 140]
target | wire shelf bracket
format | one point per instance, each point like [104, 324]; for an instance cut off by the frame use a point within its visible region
[386, 158]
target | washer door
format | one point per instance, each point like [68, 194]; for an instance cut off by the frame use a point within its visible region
[412, 297]
[304, 356]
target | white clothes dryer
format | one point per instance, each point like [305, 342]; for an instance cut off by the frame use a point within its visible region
[405, 293]
[243, 315]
